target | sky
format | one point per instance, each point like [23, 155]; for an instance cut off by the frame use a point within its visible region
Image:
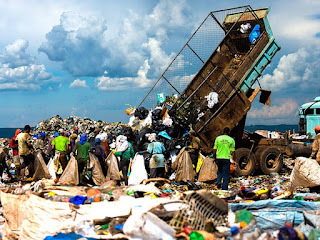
[92, 58]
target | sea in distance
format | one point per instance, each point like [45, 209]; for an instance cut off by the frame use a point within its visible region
[9, 132]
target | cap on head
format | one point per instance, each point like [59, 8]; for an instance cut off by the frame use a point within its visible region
[61, 131]
[42, 134]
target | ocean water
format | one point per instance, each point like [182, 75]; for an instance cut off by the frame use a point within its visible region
[7, 132]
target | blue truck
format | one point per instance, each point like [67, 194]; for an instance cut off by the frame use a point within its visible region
[309, 117]
[213, 79]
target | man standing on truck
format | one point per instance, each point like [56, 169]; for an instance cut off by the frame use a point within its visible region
[224, 145]
[316, 144]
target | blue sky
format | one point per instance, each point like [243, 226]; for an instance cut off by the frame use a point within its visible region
[90, 58]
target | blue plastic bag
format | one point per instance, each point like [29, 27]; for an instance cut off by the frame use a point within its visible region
[78, 200]
[255, 34]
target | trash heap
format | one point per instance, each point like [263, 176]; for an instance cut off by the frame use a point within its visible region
[185, 205]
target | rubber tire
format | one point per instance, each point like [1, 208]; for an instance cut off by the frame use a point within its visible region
[273, 153]
[241, 153]
[257, 153]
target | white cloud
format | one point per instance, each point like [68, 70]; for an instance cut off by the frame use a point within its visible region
[18, 69]
[78, 84]
[298, 70]
[107, 83]
[78, 43]
[86, 47]
[285, 112]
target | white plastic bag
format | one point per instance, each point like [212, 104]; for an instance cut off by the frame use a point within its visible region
[147, 226]
[138, 171]
[306, 173]
[51, 169]
[212, 99]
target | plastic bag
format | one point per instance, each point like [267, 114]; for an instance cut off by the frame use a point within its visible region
[255, 34]
[97, 174]
[41, 170]
[51, 169]
[141, 113]
[113, 167]
[183, 167]
[212, 99]
[244, 28]
[306, 173]
[56, 163]
[70, 175]
[208, 170]
[138, 171]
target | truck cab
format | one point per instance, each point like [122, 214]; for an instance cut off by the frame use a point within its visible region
[309, 117]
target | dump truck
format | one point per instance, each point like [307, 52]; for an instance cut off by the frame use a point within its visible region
[213, 78]
[309, 117]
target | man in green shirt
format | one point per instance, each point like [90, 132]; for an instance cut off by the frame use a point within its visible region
[61, 144]
[81, 149]
[224, 146]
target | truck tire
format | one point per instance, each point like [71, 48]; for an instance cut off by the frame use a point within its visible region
[270, 160]
[257, 153]
[245, 165]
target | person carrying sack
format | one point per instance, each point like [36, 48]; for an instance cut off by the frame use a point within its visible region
[81, 152]
[156, 148]
[61, 145]
[125, 152]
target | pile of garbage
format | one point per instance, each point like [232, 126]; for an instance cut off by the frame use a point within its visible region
[155, 209]
[185, 205]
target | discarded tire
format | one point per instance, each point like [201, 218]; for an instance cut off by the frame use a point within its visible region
[270, 160]
[245, 162]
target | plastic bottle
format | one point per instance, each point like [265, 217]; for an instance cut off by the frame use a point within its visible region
[96, 198]
[12, 169]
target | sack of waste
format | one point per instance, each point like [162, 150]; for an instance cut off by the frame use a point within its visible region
[70, 175]
[113, 167]
[138, 171]
[306, 173]
[97, 174]
[208, 170]
[41, 170]
[183, 167]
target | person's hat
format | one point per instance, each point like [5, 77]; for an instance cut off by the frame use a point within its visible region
[61, 130]
[317, 128]
[42, 134]
[73, 136]
[98, 140]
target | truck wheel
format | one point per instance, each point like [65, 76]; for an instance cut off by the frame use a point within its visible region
[245, 162]
[270, 160]
[257, 153]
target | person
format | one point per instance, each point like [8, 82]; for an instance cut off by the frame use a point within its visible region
[39, 145]
[125, 152]
[24, 148]
[49, 150]
[92, 139]
[100, 154]
[81, 151]
[14, 146]
[156, 164]
[193, 148]
[39, 142]
[73, 139]
[60, 145]
[224, 146]
[316, 144]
